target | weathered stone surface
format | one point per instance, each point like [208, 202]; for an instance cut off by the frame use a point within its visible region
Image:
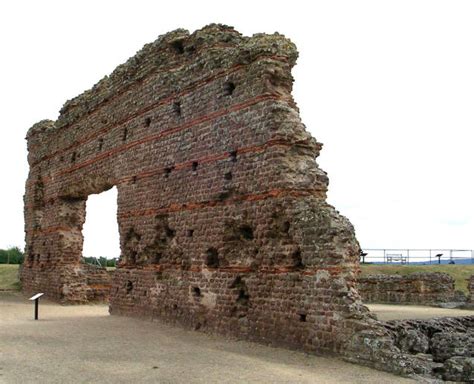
[417, 288]
[470, 286]
[459, 369]
[416, 347]
[222, 210]
[377, 348]
[413, 341]
[445, 345]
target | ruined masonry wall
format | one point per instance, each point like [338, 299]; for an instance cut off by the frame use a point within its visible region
[416, 288]
[222, 210]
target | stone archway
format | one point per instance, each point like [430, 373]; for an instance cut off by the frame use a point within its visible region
[53, 262]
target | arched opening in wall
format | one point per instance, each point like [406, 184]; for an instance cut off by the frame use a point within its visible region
[101, 245]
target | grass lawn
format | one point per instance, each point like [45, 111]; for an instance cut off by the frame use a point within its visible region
[460, 273]
[9, 276]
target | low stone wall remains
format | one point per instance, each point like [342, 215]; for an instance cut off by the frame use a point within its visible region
[99, 282]
[470, 287]
[415, 288]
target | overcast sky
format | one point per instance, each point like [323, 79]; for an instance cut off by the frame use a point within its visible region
[387, 86]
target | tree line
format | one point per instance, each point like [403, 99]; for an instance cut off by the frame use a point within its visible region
[102, 261]
[12, 255]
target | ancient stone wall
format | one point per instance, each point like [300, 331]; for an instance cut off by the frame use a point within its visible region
[415, 288]
[222, 210]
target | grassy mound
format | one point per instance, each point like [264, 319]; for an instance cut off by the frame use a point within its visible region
[9, 276]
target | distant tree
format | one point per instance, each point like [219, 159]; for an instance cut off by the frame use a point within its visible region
[103, 261]
[12, 255]
[112, 262]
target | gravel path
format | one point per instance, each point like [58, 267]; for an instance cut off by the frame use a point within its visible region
[399, 312]
[83, 344]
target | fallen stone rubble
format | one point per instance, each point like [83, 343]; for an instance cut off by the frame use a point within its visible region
[437, 349]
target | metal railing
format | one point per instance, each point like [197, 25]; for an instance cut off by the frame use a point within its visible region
[417, 256]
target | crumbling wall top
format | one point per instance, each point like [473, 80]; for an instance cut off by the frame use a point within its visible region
[170, 55]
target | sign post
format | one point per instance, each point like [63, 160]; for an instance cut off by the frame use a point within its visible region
[36, 298]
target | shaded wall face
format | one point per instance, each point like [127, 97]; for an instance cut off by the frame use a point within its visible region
[221, 206]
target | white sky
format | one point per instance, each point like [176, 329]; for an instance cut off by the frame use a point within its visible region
[387, 86]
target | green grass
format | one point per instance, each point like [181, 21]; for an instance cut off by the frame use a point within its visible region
[460, 273]
[9, 276]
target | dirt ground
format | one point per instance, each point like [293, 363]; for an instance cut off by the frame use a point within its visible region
[399, 312]
[83, 344]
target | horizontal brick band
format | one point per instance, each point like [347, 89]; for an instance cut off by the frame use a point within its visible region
[238, 270]
[275, 193]
[208, 159]
[172, 208]
[204, 160]
[278, 270]
[158, 136]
